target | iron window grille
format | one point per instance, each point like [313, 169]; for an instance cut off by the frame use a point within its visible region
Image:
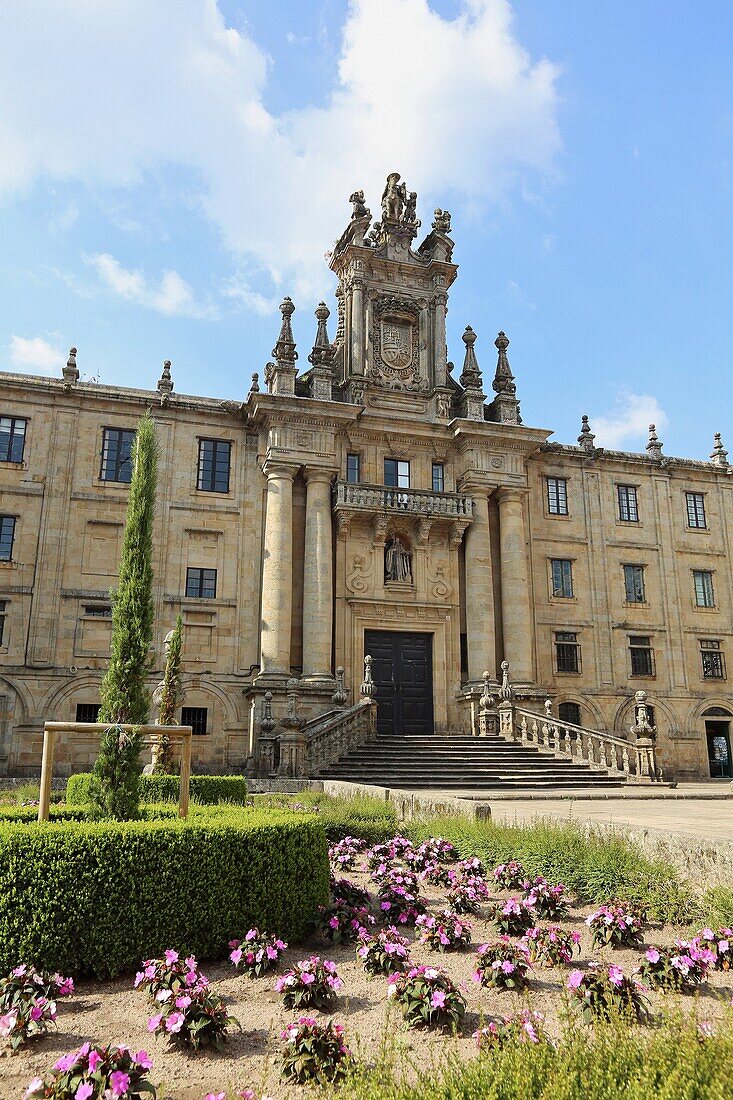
[214, 465]
[567, 651]
[704, 594]
[562, 577]
[353, 468]
[7, 537]
[628, 505]
[557, 496]
[98, 611]
[713, 663]
[634, 584]
[642, 655]
[569, 712]
[201, 583]
[438, 477]
[197, 718]
[696, 510]
[87, 712]
[12, 438]
[117, 444]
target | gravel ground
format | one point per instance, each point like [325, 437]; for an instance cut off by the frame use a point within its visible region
[115, 1012]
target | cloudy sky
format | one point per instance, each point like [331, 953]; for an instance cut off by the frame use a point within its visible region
[171, 168]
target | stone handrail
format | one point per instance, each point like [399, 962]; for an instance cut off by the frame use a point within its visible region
[337, 734]
[422, 502]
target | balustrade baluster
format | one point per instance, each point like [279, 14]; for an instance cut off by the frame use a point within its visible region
[625, 761]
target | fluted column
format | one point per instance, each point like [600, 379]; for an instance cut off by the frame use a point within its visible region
[357, 328]
[515, 602]
[277, 572]
[318, 577]
[479, 592]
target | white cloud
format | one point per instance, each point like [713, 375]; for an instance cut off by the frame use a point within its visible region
[35, 353]
[457, 105]
[171, 295]
[239, 289]
[628, 422]
[63, 220]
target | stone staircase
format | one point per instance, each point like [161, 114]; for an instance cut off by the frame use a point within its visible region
[464, 762]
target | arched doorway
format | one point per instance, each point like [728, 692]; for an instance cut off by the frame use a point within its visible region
[717, 732]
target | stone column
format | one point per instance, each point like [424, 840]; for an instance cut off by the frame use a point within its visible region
[277, 572]
[440, 340]
[318, 577]
[479, 592]
[515, 604]
[358, 345]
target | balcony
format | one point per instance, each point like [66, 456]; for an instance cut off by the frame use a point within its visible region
[370, 499]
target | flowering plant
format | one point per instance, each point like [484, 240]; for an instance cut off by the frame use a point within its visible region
[503, 965]
[472, 867]
[600, 991]
[681, 967]
[445, 931]
[96, 1073]
[170, 975]
[616, 924]
[394, 849]
[551, 946]
[437, 874]
[27, 1002]
[524, 1027]
[427, 997]
[513, 917]
[721, 942]
[26, 980]
[194, 1018]
[467, 892]
[434, 850]
[342, 855]
[342, 922]
[310, 984]
[384, 953]
[350, 892]
[258, 952]
[399, 897]
[510, 876]
[549, 902]
[314, 1052]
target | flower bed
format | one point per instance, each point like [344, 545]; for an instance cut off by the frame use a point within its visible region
[443, 931]
[721, 942]
[94, 1073]
[310, 983]
[384, 953]
[513, 917]
[683, 966]
[257, 953]
[551, 946]
[524, 1027]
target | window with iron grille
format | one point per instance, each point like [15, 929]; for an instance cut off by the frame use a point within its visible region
[87, 712]
[642, 655]
[695, 510]
[562, 577]
[3, 617]
[567, 651]
[704, 595]
[557, 496]
[438, 477]
[569, 712]
[117, 446]
[7, 537]
[634, 583]
[98, 610]
[195, 717]
[628, 507]
[12, 438]
[353, 468]
[396, 473]
[713, 664]
[201, 583]
[214, 462]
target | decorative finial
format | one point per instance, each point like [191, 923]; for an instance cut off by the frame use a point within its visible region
[471, 374]
[321, 354]
[506, 691]
[71, 372]
[255, 387]
[719, 457]
[284, 351]
[367, 684]
[487, 700]
[339, 696]
[586, 437]
[165, 384]
[654, 446]
[503, 379]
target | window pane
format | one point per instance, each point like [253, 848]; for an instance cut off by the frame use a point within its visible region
[7, 534]
[352, 468]
[704, 596]
[627, 503]
[695, 510]
[562, 578]
[557, 496]
[117, 445]
[634, 584]
[12, 438]
[214, 464]
[642, 660]
[403, 475]
[390, 472]
[438, 477]
[3, 614]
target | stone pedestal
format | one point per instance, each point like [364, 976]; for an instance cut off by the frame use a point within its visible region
[318, 578]
[277, 574]
[515, 603]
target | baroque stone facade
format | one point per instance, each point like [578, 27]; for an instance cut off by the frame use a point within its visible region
[372, 501]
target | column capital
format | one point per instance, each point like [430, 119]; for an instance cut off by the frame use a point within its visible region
[512, 493]
[319, 473]
[274, 468]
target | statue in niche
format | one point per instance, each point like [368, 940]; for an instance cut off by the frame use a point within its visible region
[397, 565]
[394, 198]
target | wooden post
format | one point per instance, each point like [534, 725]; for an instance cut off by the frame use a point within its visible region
[183, 794]
[49, 737]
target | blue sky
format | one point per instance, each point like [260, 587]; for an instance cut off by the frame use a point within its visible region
[170, 171]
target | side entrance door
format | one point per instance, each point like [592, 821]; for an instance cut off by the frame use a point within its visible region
[718, 749]
[402, 668]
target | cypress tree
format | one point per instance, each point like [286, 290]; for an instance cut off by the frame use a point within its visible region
[124, 694]
[171, 689]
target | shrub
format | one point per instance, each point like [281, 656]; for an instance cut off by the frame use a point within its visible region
[428, 998]
[549, 902]
[25, 980]
[721, 942]
[95, 1073]
[28, 1018]
[258, 952]
[503, 965]
[523, 1027]
[342, 922]
[206, 790]
[605, 991]
[513, 917]
[682, 967]
[467, 893]
[510, 876]
[444, 931]
[196, 884]
[310, 984]
[195, 1018]
[551, 946]
[384, 953]
[314, 1052]
[615, 925]
[168, 976]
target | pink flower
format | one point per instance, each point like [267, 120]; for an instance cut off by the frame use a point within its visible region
[85, 1090]
[438, 999]
[65, 1063]
[7, 1024]
[120, 1082]
[307, 979]
[191, 978]
[94, 1060]
[507, 966]
[218, 1095]
[170, 957]
[143, 1059]
[615, 975]
[183, 1002]
[174, 1023]
[236, 957]
[154, 1022]
[653, 955]
[574, 979]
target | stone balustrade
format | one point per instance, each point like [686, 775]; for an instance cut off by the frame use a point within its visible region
[337, 734]
[357, 497]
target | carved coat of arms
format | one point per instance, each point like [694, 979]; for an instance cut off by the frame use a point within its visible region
[396, 343]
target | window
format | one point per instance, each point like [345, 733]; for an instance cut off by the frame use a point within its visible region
[396, 473]
[3, 617]
[214, 458]
[557, 496]
[562, 577]
[117, 455]
[98, 610]
[201, 583]
[713, 666]
[438, 477]
[87, 712]
[7, 536]
[695, 510]
[196, 718]
[628, 507]
[353, 468]
[569, 712]
[567, 651]
[642, 656]
[634, 583]
[12, 438]
[704, 595]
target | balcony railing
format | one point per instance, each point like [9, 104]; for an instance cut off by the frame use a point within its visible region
[420, 502]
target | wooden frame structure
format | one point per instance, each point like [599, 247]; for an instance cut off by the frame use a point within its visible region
[150, 734]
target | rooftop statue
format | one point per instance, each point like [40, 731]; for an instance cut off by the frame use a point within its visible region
[394, 198]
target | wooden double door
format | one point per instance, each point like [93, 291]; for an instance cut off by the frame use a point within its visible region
[402, 668]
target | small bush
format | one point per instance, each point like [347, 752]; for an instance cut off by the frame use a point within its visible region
[682, 967]
[258, 952]
[524, 1027]
[342, 922]
[384, 953]
[310, 983]
[604, 992]
[428, 998]
[206, 790]
[197, 1018]
[314, 1052]
[95, 1073]
[444, 931]
[615, 925]
[551, 946]
[503, 965]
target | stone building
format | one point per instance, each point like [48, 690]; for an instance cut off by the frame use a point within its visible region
[380, 501]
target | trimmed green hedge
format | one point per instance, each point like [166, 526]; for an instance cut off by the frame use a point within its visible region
[372, 819]
[97, 898]
[208, 790]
